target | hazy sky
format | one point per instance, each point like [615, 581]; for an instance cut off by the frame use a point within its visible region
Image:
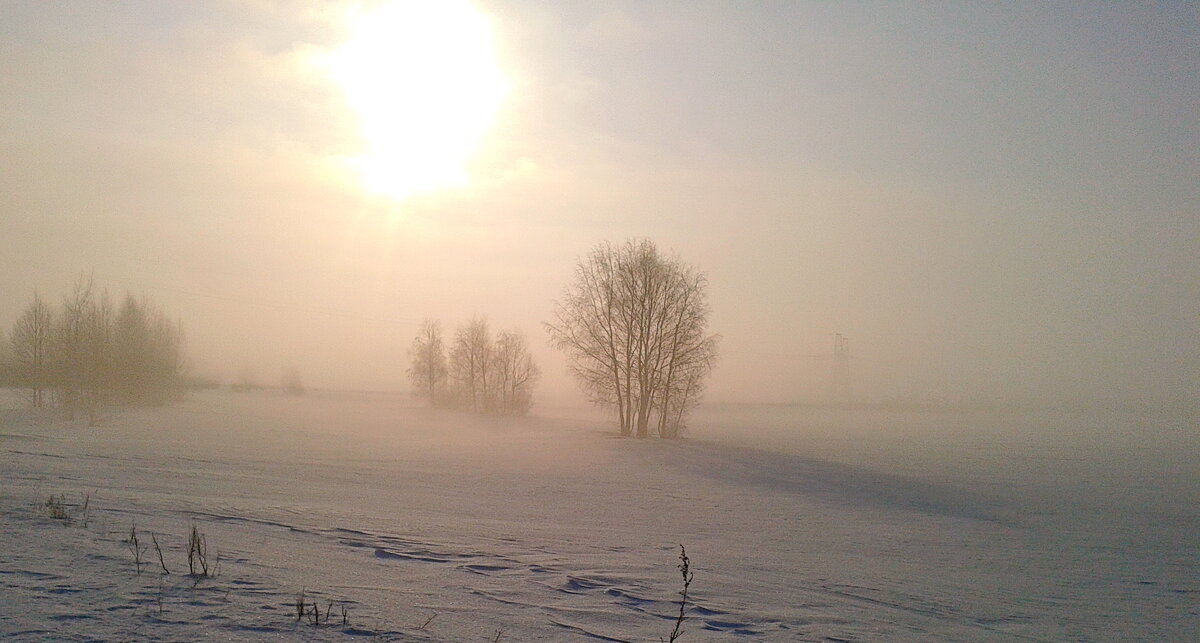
[992, 201]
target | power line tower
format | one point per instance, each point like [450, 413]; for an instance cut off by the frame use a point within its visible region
[840, 378]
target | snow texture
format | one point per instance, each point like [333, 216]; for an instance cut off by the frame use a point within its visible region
[801, 524]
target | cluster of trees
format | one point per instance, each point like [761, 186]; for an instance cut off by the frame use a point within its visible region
[634, 326]
[485, 375]
[89, 353]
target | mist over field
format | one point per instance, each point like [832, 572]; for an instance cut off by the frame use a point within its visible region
[800, 523]
[887, 312]
[992, 204]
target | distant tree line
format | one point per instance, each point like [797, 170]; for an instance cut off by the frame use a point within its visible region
[88, 353]
[634, 326]
[488, 375]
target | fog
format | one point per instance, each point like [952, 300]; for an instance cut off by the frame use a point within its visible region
[950, 253]
[994, 205]
[802, 522]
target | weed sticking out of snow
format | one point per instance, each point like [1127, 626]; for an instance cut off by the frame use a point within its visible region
[685, 571]
[56, 508]
[545, 529]
[158, 549]
[197, 554]
[187, 596]
[136, 548]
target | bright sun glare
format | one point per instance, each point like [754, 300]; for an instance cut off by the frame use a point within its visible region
[424, 81]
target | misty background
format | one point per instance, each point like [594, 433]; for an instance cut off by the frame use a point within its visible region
[995, 204]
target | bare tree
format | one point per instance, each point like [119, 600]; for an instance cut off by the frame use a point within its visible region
[30, 350]
[147, 349]
[590, 324]
[168, 365]
[133, 350]
[685, 350]
[428, 369]
[84, 365]
[92, 355]
[71, 351]
[634, 325]
[470, 364]
[484, 376]
[98, 365]
[513, 373]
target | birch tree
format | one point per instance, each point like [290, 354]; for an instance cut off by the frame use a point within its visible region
[148, 354]
[470, 365]
[70, 348]
[634, 326]
[428, 370]
[29, 350]
[513, 374]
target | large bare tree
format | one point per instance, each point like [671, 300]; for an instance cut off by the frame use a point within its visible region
[634, 325]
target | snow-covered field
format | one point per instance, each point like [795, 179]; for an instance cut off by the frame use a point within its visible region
[801, 524]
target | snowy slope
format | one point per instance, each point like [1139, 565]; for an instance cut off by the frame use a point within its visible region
[551, 529]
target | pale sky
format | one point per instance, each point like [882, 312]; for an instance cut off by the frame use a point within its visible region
[994, 202]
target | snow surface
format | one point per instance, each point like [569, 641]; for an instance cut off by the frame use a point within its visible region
[802, 524]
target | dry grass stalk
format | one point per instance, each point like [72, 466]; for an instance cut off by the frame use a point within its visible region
[198, 553]
[158, 549]
[135, 547]
[685, 570]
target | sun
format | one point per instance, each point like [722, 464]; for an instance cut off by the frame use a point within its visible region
[424, 81]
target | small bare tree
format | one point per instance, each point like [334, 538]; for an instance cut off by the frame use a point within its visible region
[470, 364]
[132, 347]
[71, 346]
[486, 376]
[427, 371]
[634, 325]
[98, 364]
[30, 350]
[167, 366]
[148, 354]
[513, 373]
